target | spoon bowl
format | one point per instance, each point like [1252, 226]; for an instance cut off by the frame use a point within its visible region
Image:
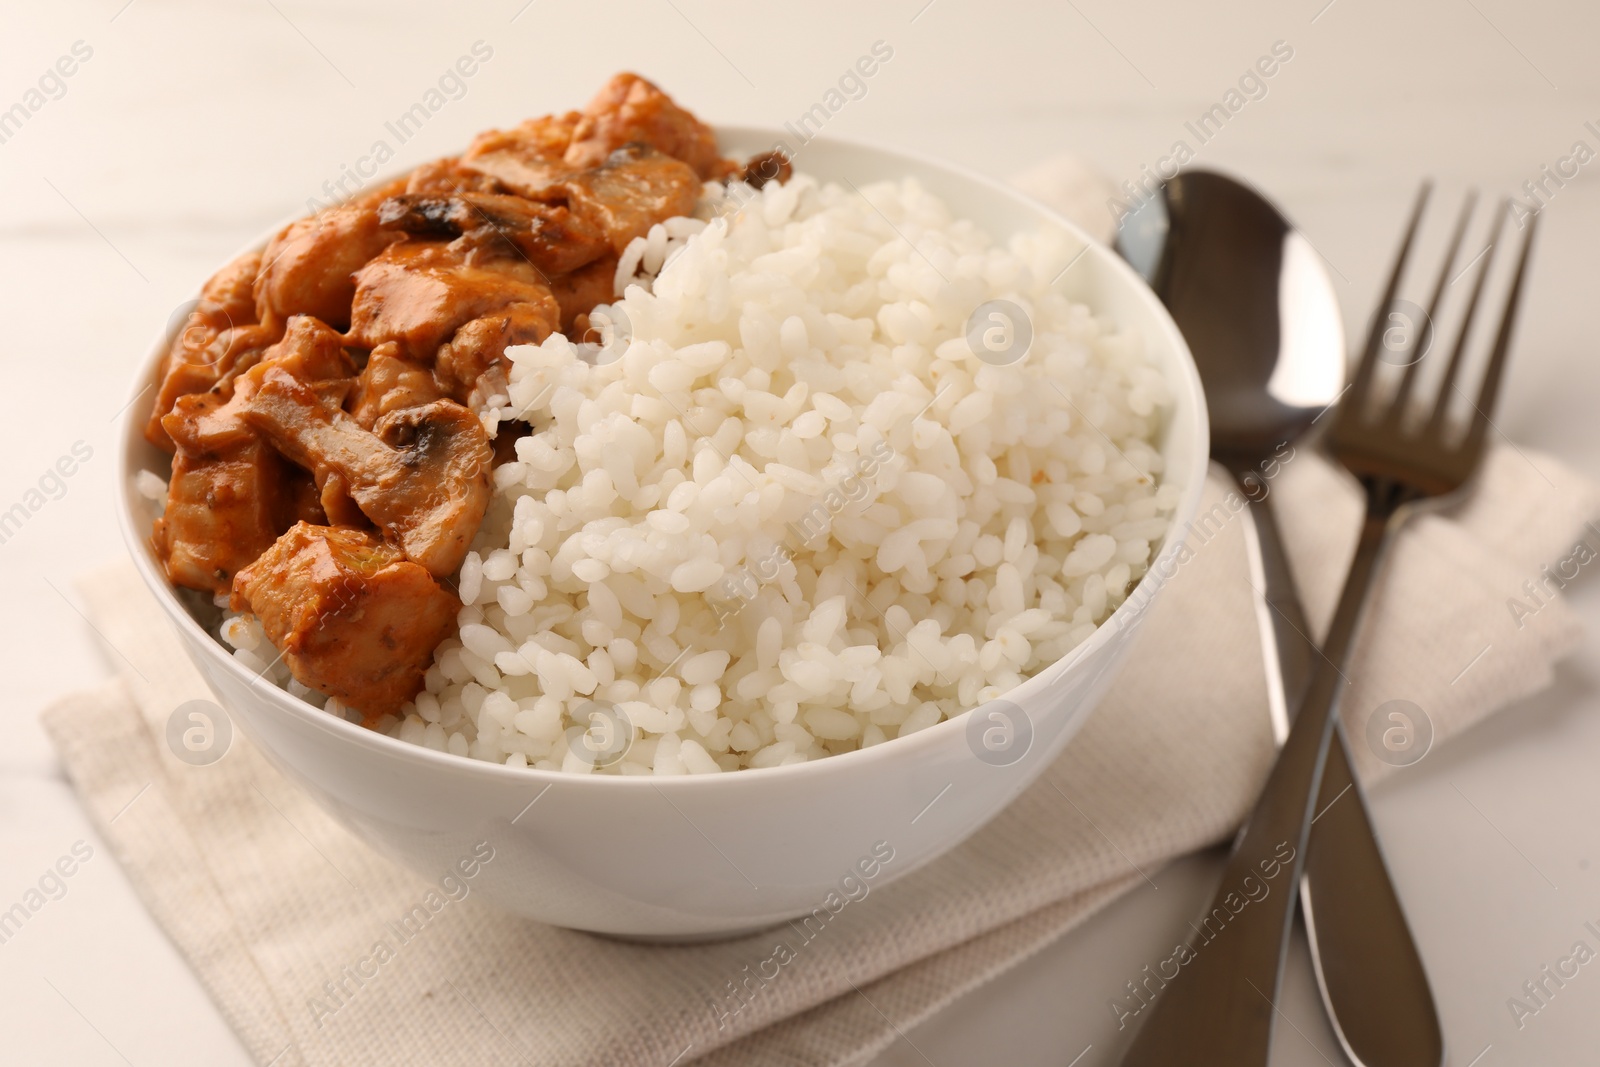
[1255, 304]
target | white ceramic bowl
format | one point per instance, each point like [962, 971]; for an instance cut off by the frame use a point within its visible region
[688, 857]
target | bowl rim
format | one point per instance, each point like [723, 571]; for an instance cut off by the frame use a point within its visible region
[1192, 397]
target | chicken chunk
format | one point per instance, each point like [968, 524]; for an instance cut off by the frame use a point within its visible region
[310, 350]
[230, 292]
[353, 618]
[422, 475]
[239, 349]
[308, 266]
[333, 497]
[473, 366]
[546, 235]
[630, 109]
[578, 293]
[208, 341]
[212, 367]
[635, 188]
[225, 504]
[230, 494]
[418, 293]
[305, 499]
[389, 383]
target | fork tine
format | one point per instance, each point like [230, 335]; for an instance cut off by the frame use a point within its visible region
[1362, 381]
[1422, 339]
[1489, 392]
[1452, 370]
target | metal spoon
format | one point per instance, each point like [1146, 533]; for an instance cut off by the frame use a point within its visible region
[1258, 310]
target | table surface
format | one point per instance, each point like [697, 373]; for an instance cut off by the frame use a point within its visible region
[191, 127]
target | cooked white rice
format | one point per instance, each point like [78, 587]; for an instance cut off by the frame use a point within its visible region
[798, 367]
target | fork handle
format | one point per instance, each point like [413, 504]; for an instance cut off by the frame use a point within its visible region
[1221, 1006]
[1369, 972]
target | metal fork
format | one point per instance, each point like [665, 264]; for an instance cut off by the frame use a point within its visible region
[1221, 1007]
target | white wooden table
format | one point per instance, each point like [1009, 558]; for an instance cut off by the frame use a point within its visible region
[185, 128]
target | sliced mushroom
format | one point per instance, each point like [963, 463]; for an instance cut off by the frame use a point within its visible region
[635, 188]
[528, 158]
[422, 475]
[547, 235]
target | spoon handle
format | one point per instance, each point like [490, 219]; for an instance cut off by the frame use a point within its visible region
[1221, 1007]
[1286, 647]
[1369, 971]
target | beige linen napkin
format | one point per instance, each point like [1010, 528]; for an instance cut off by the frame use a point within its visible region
[274, 903]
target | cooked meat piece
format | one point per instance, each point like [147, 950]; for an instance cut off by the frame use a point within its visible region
[767, 167]
[389, 383]
[305, 499]
[532, 158]
[306, 348]
[229, 293]
[231, 495]
[417, 293]
[206, 343]
[226, 501]
[223, 510]
[211, 368]
[352, 617]
[580, 291]
[527, 159]
[202, 424]
[307, 268]
[628, 109]
[423, 474]
[310, 350]
[472, 367]
[333, 496]
[635, 188]
[547, 235]
[239, 349]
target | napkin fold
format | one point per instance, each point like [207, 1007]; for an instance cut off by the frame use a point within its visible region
[280, 910]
